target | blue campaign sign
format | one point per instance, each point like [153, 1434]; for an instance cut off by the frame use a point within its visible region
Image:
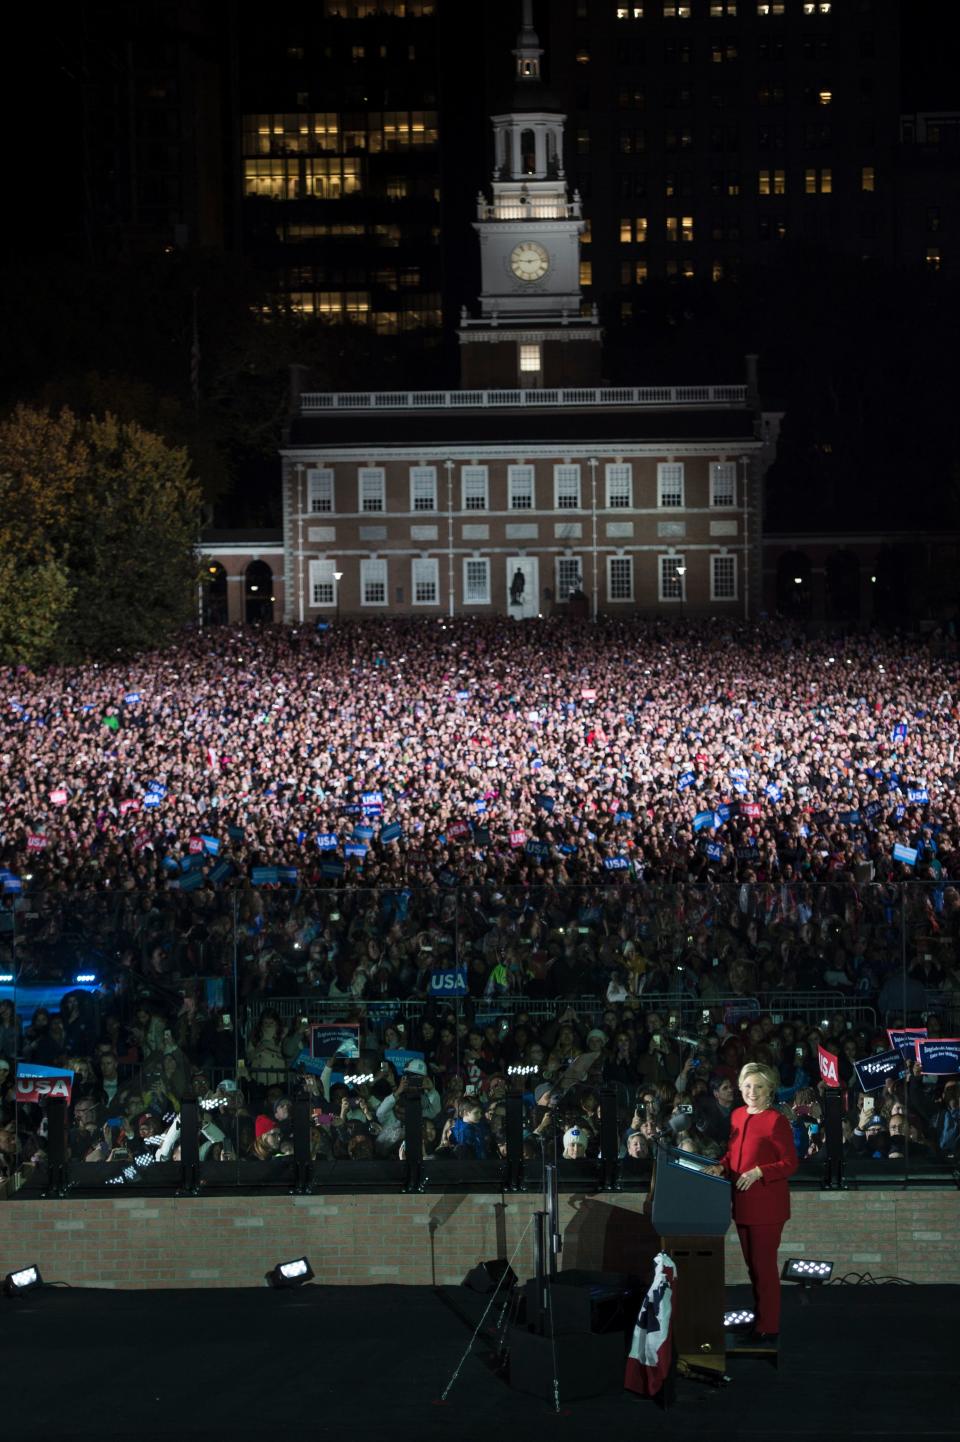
[702, 819]
[463, 695]
[192, 881]
[332, 866]
[221, 871]
[623, 816]
[449, 983]
[918, 796]
[169, 864]
[289, 874]
[772, 791]
[12, 885]
[568, 849]
[539, 849]
[151, 800]
[211, 845]
[939, 1056]
[899, 812]
[131, 698]
[900, 732]
[156, 788]
[723, 813]
[688, 778]
[480, 807]
[872, 809]
[545, 802]
[849, 818]
[235, 833]
[327, 840]
[873, 1071]
[739, 774]
[371, 799]
[391, 832]
[363, 833]
[905, 1038]
[399, 1057]
[193, 862]
[264, 876]
[330, 1039]
[714, 850]
[906, 854]
[616, 863]
[355, 848]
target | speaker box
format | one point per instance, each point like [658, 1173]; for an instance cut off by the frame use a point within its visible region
[587, 1363]
[585, 1301]
[486, 1276]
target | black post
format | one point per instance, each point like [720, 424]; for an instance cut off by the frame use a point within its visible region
[609, 1141]
[413, 1134]
[190, 1146]
[302, 1164]
[56, 1148]
[538, 1313]
[514, 1169]
[833, 1132]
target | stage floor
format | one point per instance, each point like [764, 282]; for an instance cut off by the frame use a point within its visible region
[859, 1361]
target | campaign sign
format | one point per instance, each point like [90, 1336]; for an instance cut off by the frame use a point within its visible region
[36, 843]
[363, 833]
[714, 850]
[873, 1071]
[687, 779]
[540, 849]
[616, 863]
[828, 1067]
[156, 788]
[371, 798]
[151, 800]
[327, 840]
[872, 809]
[458, 828]
[449, 983]
[906, 854]
[480, 807]
[355, 848]
[235, 833]
[772, 791]
[191, 881]
[289, 874]
[400, 1058]
[724, 812]
[131, 698]
[195, 845]
[211, 844]
[939, 1056]
[58, 797]
[545, 802]
[517, 838]
[751, 809]
[35, 1082]
[904, 1040]
[391, 832]
[129, 805]
[849, 818]
[918, 795]
[191, 863]
[588, 693]
[264, 876]
[702, 819]
[481, 836]
[327, 1039]
[221, 871]
[899, 732]
[332, 866]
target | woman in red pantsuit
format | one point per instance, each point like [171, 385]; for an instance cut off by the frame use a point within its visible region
[759, 1159]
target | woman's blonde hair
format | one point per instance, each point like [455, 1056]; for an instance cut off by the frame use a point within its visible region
[765, 1073]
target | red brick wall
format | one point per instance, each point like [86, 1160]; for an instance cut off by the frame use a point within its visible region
[434, 1239]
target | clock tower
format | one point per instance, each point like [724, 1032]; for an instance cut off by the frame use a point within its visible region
[532, 330]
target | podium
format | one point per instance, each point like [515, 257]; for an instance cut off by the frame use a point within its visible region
[691, 1211]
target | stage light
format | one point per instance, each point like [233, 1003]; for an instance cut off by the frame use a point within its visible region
[290, 1274]
[522, 1070]
[23, 1281]
[798, 1269]
[6, 976]
[84, 976]
[733, 1320]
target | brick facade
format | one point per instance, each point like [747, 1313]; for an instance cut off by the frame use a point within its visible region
[433, 1239]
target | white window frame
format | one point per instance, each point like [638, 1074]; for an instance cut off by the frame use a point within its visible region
[723, 483]
[726, 556]
[620, 563]
[670, 483]
[665, 593]
[567, 488]
[531, 358]
[423, 478]
[320, 491]
[472, 595]
[425, 571]
[322, 576]
[371, 490]
[565, 563]
[373, 572]
[521, 488]
[474, 489]
[618, 477]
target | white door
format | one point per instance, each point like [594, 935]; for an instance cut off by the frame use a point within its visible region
[523, 600]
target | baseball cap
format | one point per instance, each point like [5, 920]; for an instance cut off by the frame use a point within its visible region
[417, 1067]
[574, 1136]
[227, 1085]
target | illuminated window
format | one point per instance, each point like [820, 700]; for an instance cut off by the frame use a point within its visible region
[423, 488]
[932, 258]
[723, 577]
[673, 11]
[425, 581]
[569, 576]
[530, 359]
[520, 488]
[719, 8]
[825, 97]
[723, 483]
[626, 232]
[673, 227]
[826, 182]
[272, 179]
[770, 7]
[868, 178]
[619, 578]
[323, 583]
[319, 491]
[626, 310]
[397, 187]
[640, 226]
[583, 57]
[474, 484]
[818, 182]
[716, 270]
[672, 578]
[373, 582]
[669, 483]
[566, 488]
[476, 581]
[629, 12]
[619, 480]
[372, 483]
[640, 272]
[586, 272]
[764, 184]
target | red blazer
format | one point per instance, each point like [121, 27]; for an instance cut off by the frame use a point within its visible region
[766, 1141]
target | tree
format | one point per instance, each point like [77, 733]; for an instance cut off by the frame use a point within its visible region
[98, 529]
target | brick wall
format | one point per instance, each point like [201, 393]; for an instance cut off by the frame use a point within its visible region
[433, 1239]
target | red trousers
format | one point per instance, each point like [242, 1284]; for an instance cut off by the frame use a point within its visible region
[759, 1244]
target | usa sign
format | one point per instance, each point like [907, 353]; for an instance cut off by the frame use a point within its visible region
[35, 1082]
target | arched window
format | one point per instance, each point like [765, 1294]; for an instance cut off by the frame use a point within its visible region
[258, 594]
[528, 152]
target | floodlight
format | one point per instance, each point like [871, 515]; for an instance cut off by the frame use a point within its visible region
[6, 976]
[82, 976]
[799, 1269]
[290, 1274]
[733, 1321]
[22, 1281]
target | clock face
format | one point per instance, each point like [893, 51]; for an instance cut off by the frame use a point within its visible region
[529, 261]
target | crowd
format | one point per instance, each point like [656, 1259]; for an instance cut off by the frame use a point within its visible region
[620, 811]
